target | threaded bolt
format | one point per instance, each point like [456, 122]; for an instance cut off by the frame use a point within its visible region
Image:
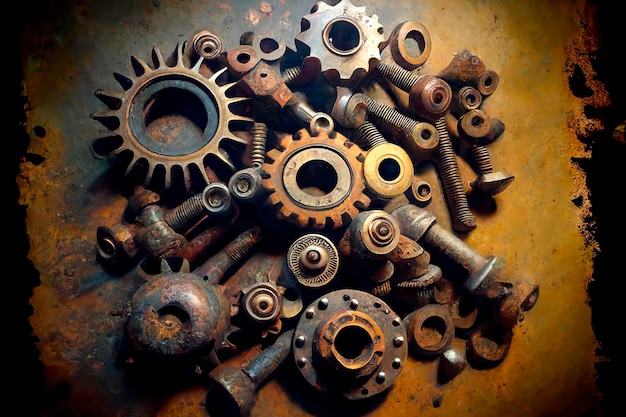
[429, 96]
[419, 138]
[462, 218]
[202, 203]
[488, 180]
[367, 136]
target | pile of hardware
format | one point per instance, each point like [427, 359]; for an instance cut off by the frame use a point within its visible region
[276, 210]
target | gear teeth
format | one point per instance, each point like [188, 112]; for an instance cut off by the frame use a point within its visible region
[359, 59]
[137, 138]
[338, 206]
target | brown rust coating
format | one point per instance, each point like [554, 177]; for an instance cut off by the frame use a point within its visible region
[486, 349]
[430, 329]
[350, 325]
[340, 329]
[266, 84]
[410, 29]
[233, 384]
[464, 68]
[476, 127]
[175, 315]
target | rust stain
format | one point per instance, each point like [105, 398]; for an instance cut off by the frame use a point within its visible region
[538, 225]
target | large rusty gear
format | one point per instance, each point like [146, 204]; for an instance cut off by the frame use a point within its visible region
[169, 120]
[315, 182]
[345, 40]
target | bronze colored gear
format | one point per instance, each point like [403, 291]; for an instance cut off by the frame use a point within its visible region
[315, 182]
[344, 38]
[169, 118]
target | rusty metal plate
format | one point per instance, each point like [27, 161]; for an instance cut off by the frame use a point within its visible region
[542, 225]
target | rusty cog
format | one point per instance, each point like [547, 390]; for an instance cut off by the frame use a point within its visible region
[170, 122]
[315, 182]
[344, 39]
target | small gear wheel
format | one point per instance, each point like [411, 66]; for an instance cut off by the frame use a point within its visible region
[315, 182]
[344, 39]
[170, 122]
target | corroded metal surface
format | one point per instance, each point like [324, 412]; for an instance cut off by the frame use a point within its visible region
[535, 225]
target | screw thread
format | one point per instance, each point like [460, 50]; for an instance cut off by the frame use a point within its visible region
[290, 74]
[462, 217]
[388, 117]
[482, 159]
[238, 248]
[396, 75]
[367, 136]
[259, 137]
[183, 214]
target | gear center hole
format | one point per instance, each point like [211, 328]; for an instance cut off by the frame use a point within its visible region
[414, 43]
[343, 37]
[173, 112]
[352, 341]
[317, 178]
[174, 317]
[389, 169]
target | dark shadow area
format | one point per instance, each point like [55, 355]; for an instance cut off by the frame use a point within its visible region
[605, 179]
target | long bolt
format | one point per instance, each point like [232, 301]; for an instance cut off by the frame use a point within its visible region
[368, 136]
[488, 180]
[214, 269]
[462, 218]
[419, 138]
[421, 226]
[429, 96]
[213, 200]
[234, 384]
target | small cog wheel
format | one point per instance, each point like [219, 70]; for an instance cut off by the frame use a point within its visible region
[344, 39]
[315, 182]
[170, 122]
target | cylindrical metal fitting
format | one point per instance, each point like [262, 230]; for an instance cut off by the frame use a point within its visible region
[388, 170]
[246, 186]
[410, 44]
[430, 97]
[421, 225]
[430, 329]
[233, 384]
[374, 234]
[476, 127]
[206, 44]
[262, 302]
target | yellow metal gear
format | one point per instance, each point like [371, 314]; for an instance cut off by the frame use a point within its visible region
[315, 182]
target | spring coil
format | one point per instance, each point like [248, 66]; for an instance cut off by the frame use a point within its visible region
[291, 74]
[259, 137]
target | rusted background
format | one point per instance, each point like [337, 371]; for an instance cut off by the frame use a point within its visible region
[549, 98]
